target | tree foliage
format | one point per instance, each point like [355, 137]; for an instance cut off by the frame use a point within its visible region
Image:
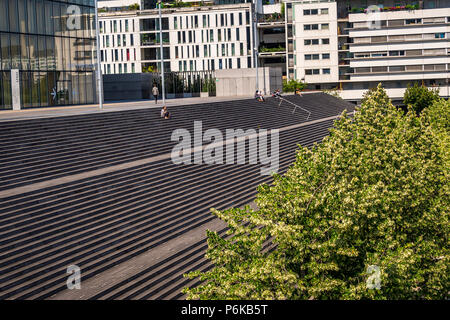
[292, 85]
[375, 192]
[420, 97]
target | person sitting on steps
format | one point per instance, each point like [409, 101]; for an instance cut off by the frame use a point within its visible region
[276, 94]
[165, 113]
[259, 96]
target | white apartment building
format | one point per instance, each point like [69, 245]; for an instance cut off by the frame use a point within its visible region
[119, 43]
[198, 38]
[314, 56]
[326, 43]
[404, 46]
[389, 43]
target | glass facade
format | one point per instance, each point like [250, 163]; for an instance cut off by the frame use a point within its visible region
[52, 44]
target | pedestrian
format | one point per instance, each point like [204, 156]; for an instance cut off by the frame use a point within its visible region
[155, 92]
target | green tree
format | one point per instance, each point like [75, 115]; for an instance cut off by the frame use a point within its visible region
[420, 97]
[375, 192]
[292, 85]
[134, 6]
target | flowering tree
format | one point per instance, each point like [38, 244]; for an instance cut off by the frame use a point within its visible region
[374, 195]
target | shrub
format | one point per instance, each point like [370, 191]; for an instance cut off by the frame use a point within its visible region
[292, 85]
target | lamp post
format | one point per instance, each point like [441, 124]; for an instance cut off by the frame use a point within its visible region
[255, 49]
[162, 55]
[99, 69]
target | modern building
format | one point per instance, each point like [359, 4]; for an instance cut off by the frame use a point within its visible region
[197, 38]
[354, 45]
[349, 45]
[47, 53]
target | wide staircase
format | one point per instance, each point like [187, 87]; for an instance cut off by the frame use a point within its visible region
[64, 198]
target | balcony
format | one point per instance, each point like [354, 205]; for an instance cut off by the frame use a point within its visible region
[270, 20]
[270, 48]
[408, 7]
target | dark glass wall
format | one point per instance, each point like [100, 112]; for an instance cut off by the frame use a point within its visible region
[52, 43]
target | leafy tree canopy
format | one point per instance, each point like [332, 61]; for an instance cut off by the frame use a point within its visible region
[420, 97]
[375, 192]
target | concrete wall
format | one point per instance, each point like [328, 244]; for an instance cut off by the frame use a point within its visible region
[241, 82]
[131, 86]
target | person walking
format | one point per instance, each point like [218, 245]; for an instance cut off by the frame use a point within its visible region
[155, 92]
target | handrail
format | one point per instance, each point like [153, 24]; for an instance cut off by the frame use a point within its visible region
[296, 106]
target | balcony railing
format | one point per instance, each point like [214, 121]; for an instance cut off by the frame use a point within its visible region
[408, 7]
[263, 49]
[274, 17]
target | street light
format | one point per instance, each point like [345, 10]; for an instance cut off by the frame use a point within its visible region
[255, 49]
[162, 55]
[99, 69]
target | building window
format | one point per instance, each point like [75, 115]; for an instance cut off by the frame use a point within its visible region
[326, 41]
[326, 71]
[324, 11]
[396, 53]
[325, 56]
[310, 12]
[311, 27]
[325, 26]
[132, 68]
[175, 23]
